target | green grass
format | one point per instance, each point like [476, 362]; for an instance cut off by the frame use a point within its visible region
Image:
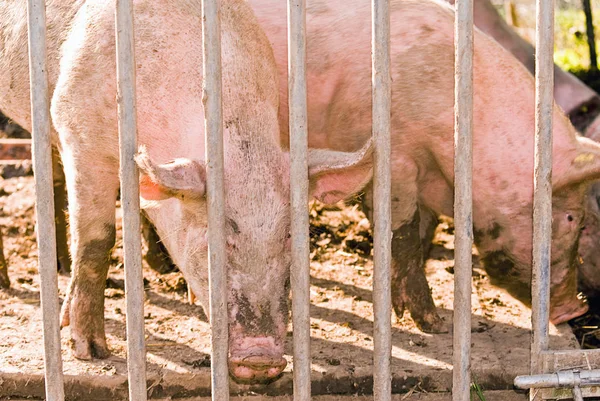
[476, 392]
[571, 51]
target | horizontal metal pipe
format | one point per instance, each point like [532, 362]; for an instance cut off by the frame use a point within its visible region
[567, 378]
[15, 149]
[44, 205]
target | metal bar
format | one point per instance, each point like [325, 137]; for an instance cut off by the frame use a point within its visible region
[567, 393]
[44, 205]
[382, 217]
[213, 114]
[554, 361]
[463, 199]
[15, 149]
[300, 271]
[542, 182]
[130, 200]
[568, 378]
[577, 395]
[4, 279]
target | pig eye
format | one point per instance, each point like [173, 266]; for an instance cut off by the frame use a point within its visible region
[569, 217]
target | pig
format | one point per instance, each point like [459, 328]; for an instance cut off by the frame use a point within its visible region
[422, 57]
[81, 54]
[582, 105]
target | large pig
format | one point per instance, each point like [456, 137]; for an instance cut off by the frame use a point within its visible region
[171, 120]
[580, 102]
[582, 105]
[339, 105]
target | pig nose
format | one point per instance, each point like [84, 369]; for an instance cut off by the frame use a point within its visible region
[564, 313]
[256, 369]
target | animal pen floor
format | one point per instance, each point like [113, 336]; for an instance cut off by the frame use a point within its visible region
[341, 321]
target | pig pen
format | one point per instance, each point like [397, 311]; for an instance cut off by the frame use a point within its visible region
[177, 333]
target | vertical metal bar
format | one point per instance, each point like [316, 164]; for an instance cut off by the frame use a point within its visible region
[382, 178]
[542, 181]
[130, 200]
[463, 199]
[300, 271]
[44, 205]
[212, 99]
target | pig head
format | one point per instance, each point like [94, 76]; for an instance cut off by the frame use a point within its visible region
[509, 265]
[257, 215]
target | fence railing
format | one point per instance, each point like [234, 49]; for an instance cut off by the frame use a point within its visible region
[212, 98]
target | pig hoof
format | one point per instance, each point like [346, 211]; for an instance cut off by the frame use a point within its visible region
[432, 323]
[86, 349]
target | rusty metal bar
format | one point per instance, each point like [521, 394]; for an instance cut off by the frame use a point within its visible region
[568, 378]
[300, 271]
[44, 205]
[463, 199]
[542, 182]
[130, 200]
[15, 149]
[212, 98]
[382, 216]
[554, 361]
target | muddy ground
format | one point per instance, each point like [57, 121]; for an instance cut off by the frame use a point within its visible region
[177, 333]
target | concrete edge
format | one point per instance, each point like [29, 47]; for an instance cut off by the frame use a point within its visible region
[181, 385]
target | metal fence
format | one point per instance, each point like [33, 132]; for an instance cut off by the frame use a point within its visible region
[541, 359]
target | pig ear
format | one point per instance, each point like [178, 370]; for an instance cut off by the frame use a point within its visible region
[182, 178]
[585, 165]
[338, 175]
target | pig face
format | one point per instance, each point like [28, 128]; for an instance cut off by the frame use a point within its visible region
[257, 217]
[257, 248]
[589, 252]
[511, 264]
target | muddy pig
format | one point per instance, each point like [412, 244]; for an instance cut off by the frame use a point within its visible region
[422, 56]
[582, 106]
[81, 69]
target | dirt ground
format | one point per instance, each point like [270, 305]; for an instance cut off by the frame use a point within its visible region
[341, 316]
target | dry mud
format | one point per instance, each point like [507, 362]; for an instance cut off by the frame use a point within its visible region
[178, 338]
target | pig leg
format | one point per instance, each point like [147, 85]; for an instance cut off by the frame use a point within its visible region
[4, 280]
[409, 285]
[410, 289]
[92, 224]
[156, 256]
[429, 222]
[60, 205]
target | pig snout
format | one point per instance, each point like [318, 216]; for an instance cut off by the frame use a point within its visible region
[256, 360]
[565, 312]
[565, 304]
